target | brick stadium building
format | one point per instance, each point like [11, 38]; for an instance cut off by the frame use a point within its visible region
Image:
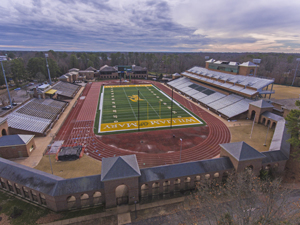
[123, 182]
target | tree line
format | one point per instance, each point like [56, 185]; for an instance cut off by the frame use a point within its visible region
[32, 65]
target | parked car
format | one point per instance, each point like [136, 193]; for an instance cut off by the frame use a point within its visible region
[6, 107]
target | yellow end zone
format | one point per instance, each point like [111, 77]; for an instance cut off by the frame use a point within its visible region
[133, 125]
[131, 85]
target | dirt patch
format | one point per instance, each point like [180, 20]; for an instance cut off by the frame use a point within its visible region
[51, 217]
[161, 141]
[4, 219]
[85, 166]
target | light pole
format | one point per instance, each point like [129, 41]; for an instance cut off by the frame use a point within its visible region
[298, 60]
[46, 56]
[180, 150]
[267, 135]
[3, 58]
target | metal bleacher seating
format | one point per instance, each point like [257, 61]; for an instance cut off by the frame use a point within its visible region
[226, 105]
[36, 115]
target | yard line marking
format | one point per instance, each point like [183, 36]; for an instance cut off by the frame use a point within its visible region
[129, 103]
[149, 103]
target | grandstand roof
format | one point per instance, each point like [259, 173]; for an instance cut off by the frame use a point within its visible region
[249, 85]
[66, 89]
[236, 108]
[241, 151]
[119, 167]
[36, 115]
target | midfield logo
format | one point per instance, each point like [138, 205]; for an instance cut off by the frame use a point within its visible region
[135, 98]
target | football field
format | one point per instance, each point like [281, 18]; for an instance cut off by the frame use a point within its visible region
[134, 107]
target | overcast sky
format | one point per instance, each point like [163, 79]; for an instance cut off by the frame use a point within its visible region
[134, 25]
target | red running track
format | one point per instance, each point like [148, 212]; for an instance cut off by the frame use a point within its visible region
[78, 129]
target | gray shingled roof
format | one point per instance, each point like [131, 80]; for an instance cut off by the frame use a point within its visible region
[241, 151]
[78, 184]
[107, 68]
[272, 116]
[91, 69]
[17, 139]
[29, 177]
[280, 137]
[273, 156]
[287, 103]
[185, 169]
[261, 104]
[119, 167]
[2, 120]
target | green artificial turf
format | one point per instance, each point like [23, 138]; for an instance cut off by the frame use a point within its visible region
[153, 105]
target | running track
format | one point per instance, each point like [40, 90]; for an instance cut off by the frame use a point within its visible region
[78, 129]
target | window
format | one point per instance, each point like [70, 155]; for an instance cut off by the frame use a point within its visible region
[10, 187]
[34, 196]
[26, 193]
[2, 183]
[18, 190]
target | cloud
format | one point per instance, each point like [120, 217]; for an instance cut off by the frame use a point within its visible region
[145, 25]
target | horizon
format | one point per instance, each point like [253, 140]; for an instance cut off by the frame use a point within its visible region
[186, 26]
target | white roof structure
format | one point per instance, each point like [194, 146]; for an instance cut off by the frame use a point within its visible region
[236, 108]
[29, 123]
[243, 85]
[226, 101]
[251, 64]
[36, 115]
[227, 105]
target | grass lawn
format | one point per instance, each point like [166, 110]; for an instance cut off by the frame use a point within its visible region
[123, 106]
[32, 213]
[85, 166]
[242, 133]
[285, 92]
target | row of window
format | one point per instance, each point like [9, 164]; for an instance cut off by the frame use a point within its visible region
[26, 192]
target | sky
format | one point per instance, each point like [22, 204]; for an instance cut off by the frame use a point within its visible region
[151, 26]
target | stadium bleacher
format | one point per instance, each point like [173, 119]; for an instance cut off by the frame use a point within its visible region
[243, 85]
[36, 115]
[228, 106]
[66, 89]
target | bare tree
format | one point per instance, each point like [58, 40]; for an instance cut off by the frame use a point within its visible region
[244, 199]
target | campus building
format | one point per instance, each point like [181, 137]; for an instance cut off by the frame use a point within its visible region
[122, 181]
[245, 69]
